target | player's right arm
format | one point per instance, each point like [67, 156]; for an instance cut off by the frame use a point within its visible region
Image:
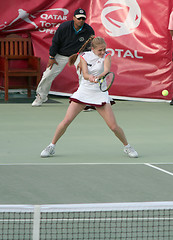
[85, 73]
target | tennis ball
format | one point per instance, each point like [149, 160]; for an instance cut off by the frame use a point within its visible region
[165, 93]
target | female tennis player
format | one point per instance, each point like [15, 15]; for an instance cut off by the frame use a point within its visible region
[95, 64]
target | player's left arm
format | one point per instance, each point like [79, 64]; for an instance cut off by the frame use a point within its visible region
[107, 66]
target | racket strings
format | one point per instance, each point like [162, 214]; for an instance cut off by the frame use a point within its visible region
[107, 82]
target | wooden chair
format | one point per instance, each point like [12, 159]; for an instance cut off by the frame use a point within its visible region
[17, 62]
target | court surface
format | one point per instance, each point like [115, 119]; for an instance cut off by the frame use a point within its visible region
[89, 165]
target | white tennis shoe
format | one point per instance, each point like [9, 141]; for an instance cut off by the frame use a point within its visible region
[48, 151]
[39, 101]
[130, 151]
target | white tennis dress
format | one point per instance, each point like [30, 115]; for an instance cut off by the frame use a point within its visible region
[89, 93]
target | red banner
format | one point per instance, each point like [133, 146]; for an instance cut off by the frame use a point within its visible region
[136, 33]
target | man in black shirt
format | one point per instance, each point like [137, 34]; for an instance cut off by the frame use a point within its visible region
[68, 39]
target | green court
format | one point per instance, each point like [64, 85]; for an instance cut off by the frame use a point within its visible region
[89, 165]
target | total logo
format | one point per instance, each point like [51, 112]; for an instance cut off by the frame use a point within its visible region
[48, 20]
[120, 27]
[124, 53]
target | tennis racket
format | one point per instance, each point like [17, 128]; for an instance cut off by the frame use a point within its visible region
[106, 81]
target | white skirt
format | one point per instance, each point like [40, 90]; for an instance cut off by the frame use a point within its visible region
[88, 96]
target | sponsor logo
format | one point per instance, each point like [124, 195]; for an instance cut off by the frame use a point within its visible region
[124, 53]
[51, 19]
[125, 23]
[44, 20]
[22, 15]
[81, 11]
[81, 39]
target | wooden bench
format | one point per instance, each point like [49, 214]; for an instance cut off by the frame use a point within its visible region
[17, 62]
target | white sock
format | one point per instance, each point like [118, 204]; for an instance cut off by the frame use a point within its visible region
[52, 145]
[128, 145]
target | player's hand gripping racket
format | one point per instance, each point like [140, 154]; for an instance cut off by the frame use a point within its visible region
[106, 81]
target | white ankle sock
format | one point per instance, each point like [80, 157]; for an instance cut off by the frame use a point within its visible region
[52, 145]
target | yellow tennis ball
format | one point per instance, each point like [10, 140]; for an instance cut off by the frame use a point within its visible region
[165, 93]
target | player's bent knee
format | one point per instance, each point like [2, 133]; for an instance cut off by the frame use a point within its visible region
[113, 128]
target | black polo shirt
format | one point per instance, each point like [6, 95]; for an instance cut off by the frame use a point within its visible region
[67, 41]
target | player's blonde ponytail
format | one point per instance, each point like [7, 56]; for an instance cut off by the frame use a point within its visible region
[73, 57]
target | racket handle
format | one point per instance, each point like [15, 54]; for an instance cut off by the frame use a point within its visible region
[101, 80]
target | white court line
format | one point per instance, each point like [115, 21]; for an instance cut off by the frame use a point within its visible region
[160, 169]
[75, 164]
